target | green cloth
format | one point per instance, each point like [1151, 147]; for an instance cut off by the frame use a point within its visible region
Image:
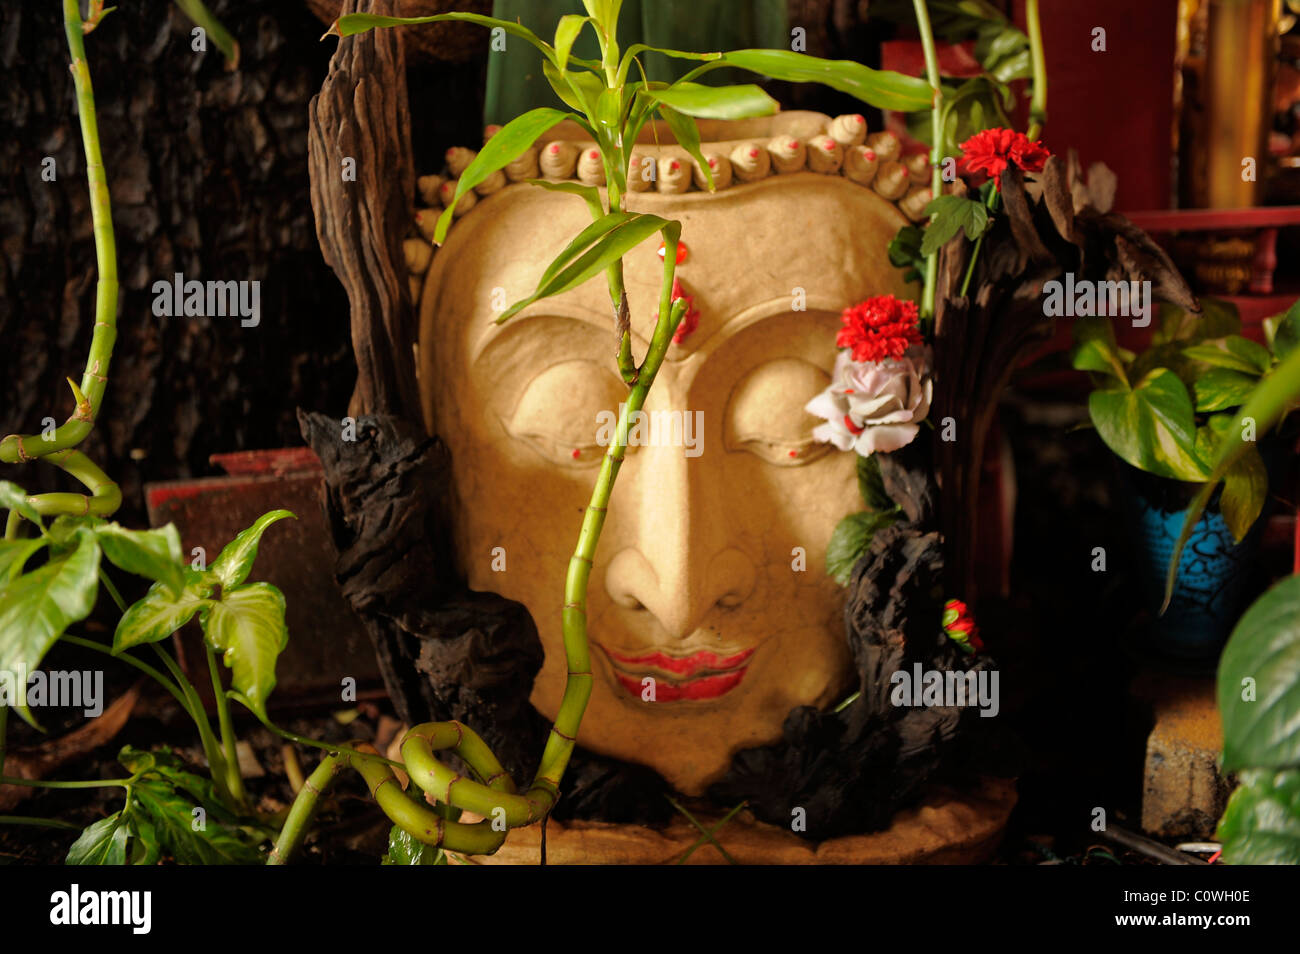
[515, 82]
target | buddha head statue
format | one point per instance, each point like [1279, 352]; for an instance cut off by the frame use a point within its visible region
[710, 611]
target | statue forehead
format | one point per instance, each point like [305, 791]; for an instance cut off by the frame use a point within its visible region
[802, 241]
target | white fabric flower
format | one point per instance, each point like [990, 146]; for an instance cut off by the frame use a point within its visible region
[874, 406]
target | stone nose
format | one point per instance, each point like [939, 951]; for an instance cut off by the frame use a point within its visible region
[678, 563]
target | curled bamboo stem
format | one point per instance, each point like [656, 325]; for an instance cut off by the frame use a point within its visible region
[105, 497]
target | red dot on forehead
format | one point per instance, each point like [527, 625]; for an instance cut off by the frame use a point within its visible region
[555, 148]
[673, 166]
[869, 154]
[713, 163]
[828, 143]
[859, 118]
[595, 154]
[753, 153]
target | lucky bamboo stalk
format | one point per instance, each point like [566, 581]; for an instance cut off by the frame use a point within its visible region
[936, 147]
[105, 497]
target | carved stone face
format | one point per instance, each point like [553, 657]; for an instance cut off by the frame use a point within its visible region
[709, 593]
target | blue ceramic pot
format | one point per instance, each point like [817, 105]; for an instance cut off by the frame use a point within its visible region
[1213, 570]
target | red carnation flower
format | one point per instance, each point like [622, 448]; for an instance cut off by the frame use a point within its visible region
[992, 150]
[879, 328]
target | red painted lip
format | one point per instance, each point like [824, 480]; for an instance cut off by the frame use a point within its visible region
[702, 675]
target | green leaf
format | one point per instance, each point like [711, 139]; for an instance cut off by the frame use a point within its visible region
[566, 32]
[608, 118]
[880, 88]
[353, 23]
[687, 134]
[1151, 426]
[14, 555]
[213, 843]
[905, 252]
[145, 848]
[1245, 489]
[1261, 825]
[1219, 389]
[403, 849]
[1275, 395]
[153, 554]
[1217, 318]
[636, 49]
[512, 141]
[609, 248]
[162, 764]
[196, 11]
[247, 625]
[1258, 688]
[872, 486]
[1286, 334]
[160, 612]
[952, 213]
[13, 497]
[1003, 51]
[717, 102]
[588, 194]
[850, 540]
[103, 843]
[1233, 352]
[1096, 349]
[36, 608]
[232, 565]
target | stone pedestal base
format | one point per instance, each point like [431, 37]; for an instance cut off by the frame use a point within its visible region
[1183, 793]
[948, 827]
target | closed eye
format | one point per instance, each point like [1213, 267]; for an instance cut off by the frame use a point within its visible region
[765, 414]
[561, 413]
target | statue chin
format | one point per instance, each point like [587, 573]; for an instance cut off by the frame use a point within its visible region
[710, 612]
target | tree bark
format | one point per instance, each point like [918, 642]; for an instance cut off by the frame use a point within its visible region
[362, 191]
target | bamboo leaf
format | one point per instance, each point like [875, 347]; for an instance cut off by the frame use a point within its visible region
[609, 248]
[596, 230]
[566, 32]
[687, 134]
[512, 141]
[716, 102]
[247, 625]
[588, 194]
[883, 89]
[351, 24]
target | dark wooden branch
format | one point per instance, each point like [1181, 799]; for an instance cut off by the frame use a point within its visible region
[362, 114]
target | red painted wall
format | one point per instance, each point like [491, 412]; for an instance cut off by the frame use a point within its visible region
[1115, 107]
